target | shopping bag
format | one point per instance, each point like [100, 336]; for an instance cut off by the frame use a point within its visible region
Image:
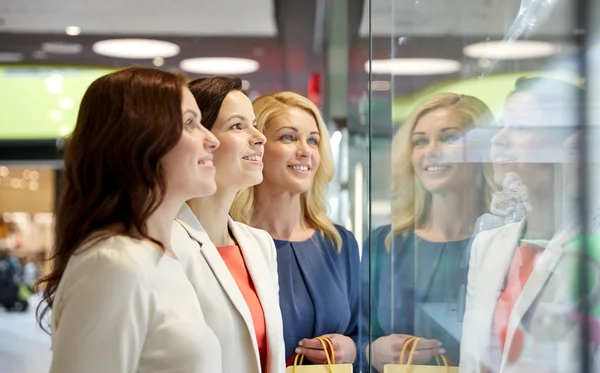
[331, 366]
[410, 368]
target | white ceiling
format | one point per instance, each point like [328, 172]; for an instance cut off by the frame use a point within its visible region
[150, 17]
[459, 17]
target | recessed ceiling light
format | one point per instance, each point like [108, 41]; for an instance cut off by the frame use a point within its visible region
[59, 47]
[136, 48]
[73, 30]
[158, 61]
[219, 65]
[10, 57]
[413, 66]
[514, 50]
[381, 85]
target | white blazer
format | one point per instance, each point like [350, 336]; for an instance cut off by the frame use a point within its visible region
[542, 309]
[223, 304]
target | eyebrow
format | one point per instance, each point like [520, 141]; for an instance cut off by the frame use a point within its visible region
[240, 117]
[296, 130]
[189, 111]
[443, 130]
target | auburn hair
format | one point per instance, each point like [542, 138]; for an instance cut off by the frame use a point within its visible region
[113, 179]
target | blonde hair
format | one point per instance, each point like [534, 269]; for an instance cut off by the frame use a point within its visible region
[410, 200]
[313, 202]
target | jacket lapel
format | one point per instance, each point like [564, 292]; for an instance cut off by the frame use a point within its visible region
[210, 253]
[263, 281]
[543, 270]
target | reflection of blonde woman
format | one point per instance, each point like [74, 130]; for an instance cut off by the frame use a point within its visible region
[417, 261]
[318, 261]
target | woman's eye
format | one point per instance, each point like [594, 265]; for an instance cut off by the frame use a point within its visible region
[190, 125]
[287, 138]
[313, 141]
[420, 142]
[237, 126]
[452, 138]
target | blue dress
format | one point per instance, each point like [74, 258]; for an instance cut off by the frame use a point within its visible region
[318, 288]
[414, 276]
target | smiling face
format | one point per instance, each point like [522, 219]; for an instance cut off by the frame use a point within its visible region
[239, 157]
[292, 151]
[438, 152]
[189, 167]
[522, 145]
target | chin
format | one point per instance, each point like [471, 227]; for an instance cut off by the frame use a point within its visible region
[208, 190]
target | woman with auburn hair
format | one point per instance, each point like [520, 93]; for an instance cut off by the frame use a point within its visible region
[318, 261]
[440, 188]
[119, 297]
[232, 266]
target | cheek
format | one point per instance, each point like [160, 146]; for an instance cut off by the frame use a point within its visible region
[227, 152]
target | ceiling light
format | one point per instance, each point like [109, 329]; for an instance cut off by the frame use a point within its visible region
[135, 48]
[413, 66]
[515, 50]
[158, 61]
[219, 66]
[380, 85]
[73, 30]
[59, 47]
[10, 57]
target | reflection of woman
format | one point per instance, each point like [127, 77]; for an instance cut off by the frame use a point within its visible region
[417, 261]
[231, 265]
[120, 299]
[318, 261]
[520, 281]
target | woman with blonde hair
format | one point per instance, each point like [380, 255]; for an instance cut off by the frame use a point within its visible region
[318, 261]
[440, 188]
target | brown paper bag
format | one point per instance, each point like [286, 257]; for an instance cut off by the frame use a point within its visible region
[331, 366]
[410, 368]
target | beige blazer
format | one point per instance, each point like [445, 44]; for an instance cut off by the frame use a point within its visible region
[542, 309]
[224, 306]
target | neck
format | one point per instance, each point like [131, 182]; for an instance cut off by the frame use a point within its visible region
[452, 215]
[213, 214]
[279, 214]
[160, 222]
[541, 222]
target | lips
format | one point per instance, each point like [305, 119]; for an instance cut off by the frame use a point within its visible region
[253, 158]
[300, 167]
[208, 161]
[437, 168]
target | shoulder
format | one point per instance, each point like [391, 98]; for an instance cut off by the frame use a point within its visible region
[347, 236]
[117, 259]
[484, 238]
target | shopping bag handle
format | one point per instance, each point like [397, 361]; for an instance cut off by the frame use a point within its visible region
[413, 349]
[325, 342]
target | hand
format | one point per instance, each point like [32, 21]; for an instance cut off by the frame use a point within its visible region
[343, 348]
[387, 350]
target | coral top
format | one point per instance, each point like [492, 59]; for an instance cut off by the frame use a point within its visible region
[232, 256]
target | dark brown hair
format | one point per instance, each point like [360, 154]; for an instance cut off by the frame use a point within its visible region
[210, 92]
[128, 120]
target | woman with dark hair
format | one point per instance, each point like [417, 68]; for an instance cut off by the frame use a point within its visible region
[232, 266]
[119, 297]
